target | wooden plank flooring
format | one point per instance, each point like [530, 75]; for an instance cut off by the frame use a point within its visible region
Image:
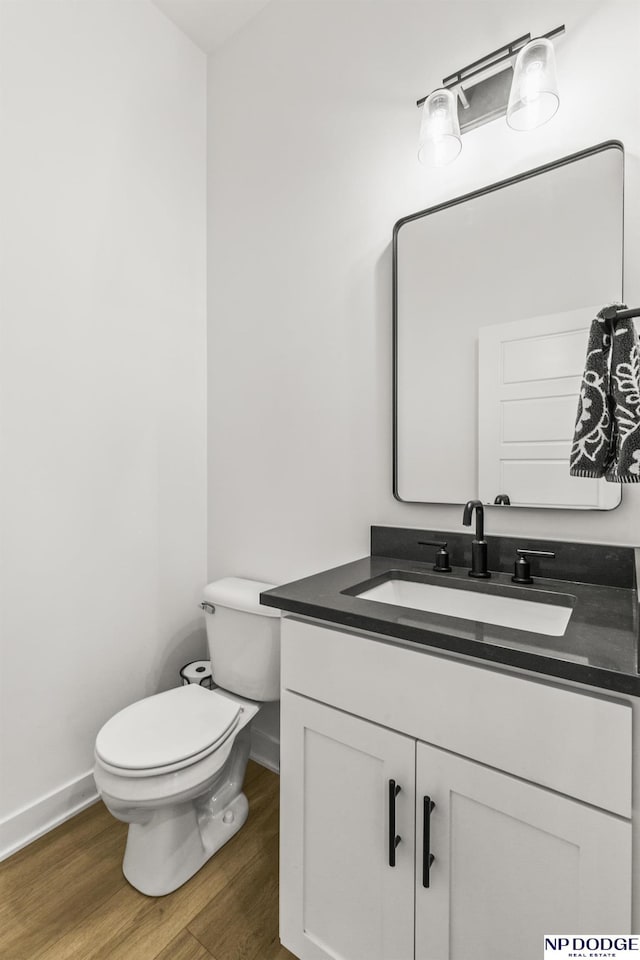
[64, 897]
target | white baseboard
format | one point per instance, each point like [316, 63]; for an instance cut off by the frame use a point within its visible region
[265, 750]
[26, 825]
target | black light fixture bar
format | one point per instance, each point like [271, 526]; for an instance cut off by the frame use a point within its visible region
[484, 63]
[501, 55]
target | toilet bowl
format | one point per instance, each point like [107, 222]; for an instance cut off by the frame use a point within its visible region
[172, 765]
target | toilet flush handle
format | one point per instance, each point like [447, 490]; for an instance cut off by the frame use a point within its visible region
[207, 607]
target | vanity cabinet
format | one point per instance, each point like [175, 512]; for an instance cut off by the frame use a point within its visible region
[512, 859]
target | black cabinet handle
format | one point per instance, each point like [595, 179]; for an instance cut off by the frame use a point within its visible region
[394, 790]
[427, 856]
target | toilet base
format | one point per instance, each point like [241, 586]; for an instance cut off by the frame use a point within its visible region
[170, 847]
[168, 844]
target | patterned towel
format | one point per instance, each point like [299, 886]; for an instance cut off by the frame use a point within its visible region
[606, 440]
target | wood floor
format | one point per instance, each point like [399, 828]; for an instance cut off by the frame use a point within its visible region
[64, 897]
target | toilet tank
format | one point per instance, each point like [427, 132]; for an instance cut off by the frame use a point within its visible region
[243, 637]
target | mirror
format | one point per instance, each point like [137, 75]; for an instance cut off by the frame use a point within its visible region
[494, 293]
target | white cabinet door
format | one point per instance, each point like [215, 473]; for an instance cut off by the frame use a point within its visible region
[512, 862]
[339, 896]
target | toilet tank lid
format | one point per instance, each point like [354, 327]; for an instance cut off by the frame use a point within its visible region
[236, 593]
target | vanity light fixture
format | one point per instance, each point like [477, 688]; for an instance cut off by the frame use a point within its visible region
[517, 80]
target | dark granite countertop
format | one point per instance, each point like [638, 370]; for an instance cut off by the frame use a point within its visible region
[598, 648]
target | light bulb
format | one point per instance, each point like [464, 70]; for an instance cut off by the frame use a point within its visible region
[534, 95]
[440, 141]
[531, 81]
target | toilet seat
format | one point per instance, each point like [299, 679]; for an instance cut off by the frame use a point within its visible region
[157, 787]
[167, 732]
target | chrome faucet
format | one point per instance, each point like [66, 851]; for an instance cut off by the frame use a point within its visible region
[479, 544]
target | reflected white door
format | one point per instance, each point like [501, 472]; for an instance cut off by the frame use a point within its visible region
[530, 373]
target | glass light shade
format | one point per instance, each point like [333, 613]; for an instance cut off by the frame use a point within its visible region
[440, 141]
[534, 95]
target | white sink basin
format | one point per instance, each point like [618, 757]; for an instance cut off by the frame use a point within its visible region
[547, 618]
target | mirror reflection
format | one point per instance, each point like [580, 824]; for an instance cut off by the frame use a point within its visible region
[494, 293]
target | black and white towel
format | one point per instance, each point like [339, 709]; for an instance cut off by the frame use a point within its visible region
[606, 440]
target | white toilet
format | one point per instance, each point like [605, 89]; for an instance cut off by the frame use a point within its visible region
[172, 765]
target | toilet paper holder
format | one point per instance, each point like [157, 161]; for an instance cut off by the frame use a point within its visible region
[198, 671]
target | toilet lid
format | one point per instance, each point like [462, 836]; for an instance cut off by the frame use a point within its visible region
[167, 728]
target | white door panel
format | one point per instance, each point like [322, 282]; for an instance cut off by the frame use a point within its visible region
[528, 388]
[340, 898]
[554, 356]
[537, 419]
[512, 862]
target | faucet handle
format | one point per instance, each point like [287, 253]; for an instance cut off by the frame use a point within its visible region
[522, 567]
[442, 556]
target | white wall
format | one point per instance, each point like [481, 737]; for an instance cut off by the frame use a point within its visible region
[312, 159]
[102, 382]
